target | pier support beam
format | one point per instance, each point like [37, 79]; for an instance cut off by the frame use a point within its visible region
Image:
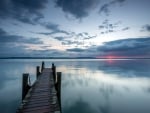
[58, 87]
[25, 85]
[54, 72]
[43, 66]
[37, 71]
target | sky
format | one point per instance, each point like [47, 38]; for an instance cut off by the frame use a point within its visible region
[75, 28]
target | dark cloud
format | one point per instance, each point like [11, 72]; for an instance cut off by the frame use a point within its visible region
[53, 32]
[105, 8]
[2, 32]
[7, 38]
[49, 53]
[54, 28]
[85, 33]
[13, 45]
[108, 27]
[26, 11]
[146, 28]
[101, 26]
[76, 39]
[45, 33]
[89, 37]
[50, 26]
[80, 35]
[70, 42]
[126, 47]
[76, 50]
[9, 49]
[84, 36]
[126, 28]
[132, 47]
[60, 38]
[78, 8]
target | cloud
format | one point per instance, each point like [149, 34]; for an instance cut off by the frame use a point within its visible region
[14, 45]
[126, 47]
[84, 36]
[76, 50]
[76, 39]
[101, 26]
[54, 28]
[132, 47]
[9, 49]
[89, 37]
[50, 26]
[60, 38]
[7, 38]
[26, 11]
[53, 32]
[78, 8]
[70, 42]
[126, 28]
[2, 32]
[48, 53]
[105, 8]
[108, 27]
[146, 28]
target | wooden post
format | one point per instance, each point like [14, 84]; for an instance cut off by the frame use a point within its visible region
[24, 85]
[58, 88]
[43, 66]
[37, 71]
[54, 72]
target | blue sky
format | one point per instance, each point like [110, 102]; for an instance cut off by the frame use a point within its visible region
[83, 28]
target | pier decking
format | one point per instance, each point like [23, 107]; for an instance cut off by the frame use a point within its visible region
[44, 94]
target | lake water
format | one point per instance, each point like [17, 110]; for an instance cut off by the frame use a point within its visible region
[88, 86]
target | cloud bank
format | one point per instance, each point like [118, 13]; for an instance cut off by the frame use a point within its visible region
[105, 8]
[26, 11]
[127, 47]
[78, 8]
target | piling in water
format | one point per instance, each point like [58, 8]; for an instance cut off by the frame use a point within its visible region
[54, 72]
[37, 71]
[43, 66]
[25, 85]
[58, 87]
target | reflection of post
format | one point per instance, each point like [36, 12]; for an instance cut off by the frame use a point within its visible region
[58, 88]
[54, 72]
[43, 66]
[37, 71]
[25, 86]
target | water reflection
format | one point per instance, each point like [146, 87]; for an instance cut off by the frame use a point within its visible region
[88, 86]
[113, 87]
[10, 83]
[79, 107]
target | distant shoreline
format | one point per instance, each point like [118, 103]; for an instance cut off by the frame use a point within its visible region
[64, 58]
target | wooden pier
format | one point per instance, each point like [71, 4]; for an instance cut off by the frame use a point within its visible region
[44, 96]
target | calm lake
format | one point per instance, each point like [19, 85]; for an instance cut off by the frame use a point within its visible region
[88, 86]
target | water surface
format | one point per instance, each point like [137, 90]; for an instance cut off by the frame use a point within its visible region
[88, 86]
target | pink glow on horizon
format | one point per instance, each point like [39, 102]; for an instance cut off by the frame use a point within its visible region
[111, 57]
[121, 57]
